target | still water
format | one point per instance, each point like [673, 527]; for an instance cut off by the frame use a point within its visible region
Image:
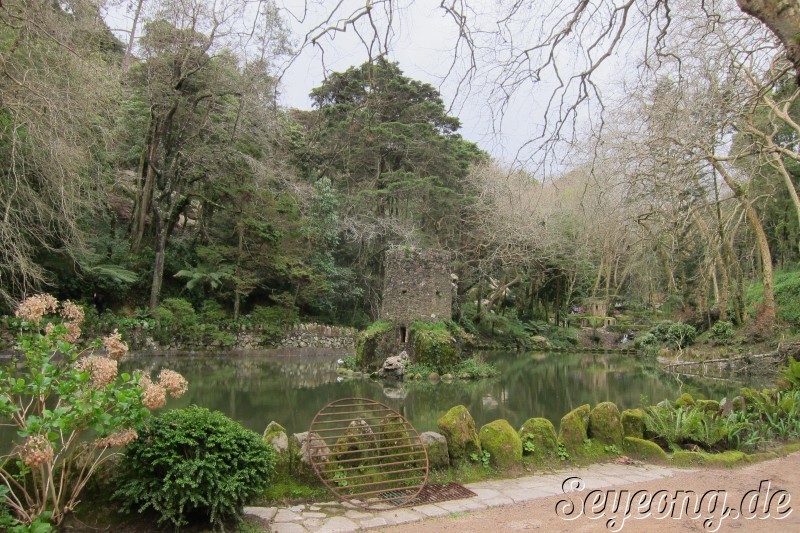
[290, 389]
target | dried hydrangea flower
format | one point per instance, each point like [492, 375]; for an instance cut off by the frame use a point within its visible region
[173, 382]
[114, 344]
[34, 308]
[73, 331]
[37, 451]
[103, 370]
[72, 312]
[120, 438]
[154, 395]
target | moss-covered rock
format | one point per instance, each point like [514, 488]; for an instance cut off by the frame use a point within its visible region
[573, 429]
[707, 406]
[644, 449]
[762, 456]
[726, 459]
[503, 444]
[605, 424]
[685, 400]
[275, 435]
[458, 427]
[436, 446]
[374, 345]
[393, 432]
[542, 439]
[356, 442]
[436, 344]
[299, 456]
[633, 423]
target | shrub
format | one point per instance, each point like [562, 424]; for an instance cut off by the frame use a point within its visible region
[192, 463]
[647, 344]
[175, 312]
[70, 407]
[660, 330]
[721, 332]
[681, 335]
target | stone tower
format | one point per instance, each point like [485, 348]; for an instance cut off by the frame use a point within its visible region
[417, 287]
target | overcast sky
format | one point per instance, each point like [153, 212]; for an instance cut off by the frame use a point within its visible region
[422, 43]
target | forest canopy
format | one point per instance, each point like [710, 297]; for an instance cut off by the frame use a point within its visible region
[162, 165]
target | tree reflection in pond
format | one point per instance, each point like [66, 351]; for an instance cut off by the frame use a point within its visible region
[290, 390]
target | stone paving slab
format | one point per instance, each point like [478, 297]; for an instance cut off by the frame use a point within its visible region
[331, 517]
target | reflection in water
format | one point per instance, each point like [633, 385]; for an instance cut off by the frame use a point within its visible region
[290, 390]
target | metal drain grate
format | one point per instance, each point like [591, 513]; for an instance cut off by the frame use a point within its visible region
[432, 493]
[363, 450]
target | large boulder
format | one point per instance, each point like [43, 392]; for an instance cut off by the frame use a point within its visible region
[300, 449]
[573, 429]
[605, 424]
[394, 367]
[356, 442]
[644, 449]
[503, 444]
[539, 439]
[633, 423]
[275, 436]
[458, 427]
[436, 446]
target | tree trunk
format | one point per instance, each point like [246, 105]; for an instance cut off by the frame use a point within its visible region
[158, 264]
[782, 17]
[767, 315]
[144, 197]
[132, 38]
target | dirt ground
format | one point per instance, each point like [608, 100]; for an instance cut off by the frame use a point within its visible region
[752, 495]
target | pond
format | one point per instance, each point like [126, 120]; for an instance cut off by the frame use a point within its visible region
[290, 389]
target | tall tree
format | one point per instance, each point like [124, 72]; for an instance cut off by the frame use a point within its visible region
[56, 96]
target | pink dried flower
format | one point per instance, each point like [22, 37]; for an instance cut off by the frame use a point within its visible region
[34, 308]
[154, 395]
[73, 331]
[37, 451]
[115, 346]
[103, 370]
[72, 312]
[120, 438]
[173, 382]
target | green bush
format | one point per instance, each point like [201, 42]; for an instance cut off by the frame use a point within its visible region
[680, 335]
[660, 331]
[721, 332]
[175, 312]
[792, 373]
[647, 344]
[194, 463]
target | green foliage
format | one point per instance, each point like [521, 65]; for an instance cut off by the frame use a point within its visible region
[194, 462]
[721, 332]
[528, 445]
[792, 373]
[563, 453]
[647, 344]
[677, 426]
[681, 335]
[438, 345]
[484, 458]
[175, 313]
[611, 449]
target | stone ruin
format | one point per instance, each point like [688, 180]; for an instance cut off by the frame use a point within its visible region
[417, 287]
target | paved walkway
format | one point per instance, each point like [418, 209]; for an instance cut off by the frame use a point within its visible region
[332, 517]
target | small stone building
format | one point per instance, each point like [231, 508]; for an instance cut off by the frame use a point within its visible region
[417, 287]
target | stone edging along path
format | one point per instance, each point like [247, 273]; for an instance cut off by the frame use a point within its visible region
[329, 517]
